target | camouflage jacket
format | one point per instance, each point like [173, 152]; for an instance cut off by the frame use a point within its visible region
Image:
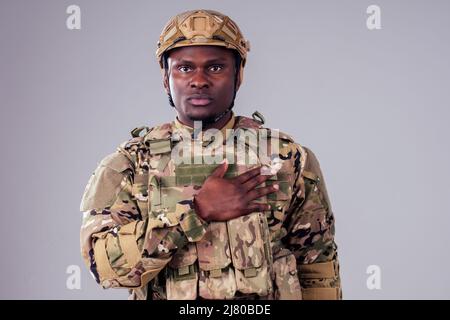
[141, 232]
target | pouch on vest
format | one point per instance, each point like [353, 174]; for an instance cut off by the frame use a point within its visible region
[286, 277]
[182, 274]
[182, 270]
[217, 278]
[250, 251]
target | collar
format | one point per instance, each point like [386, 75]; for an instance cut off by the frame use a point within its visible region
[182, 127]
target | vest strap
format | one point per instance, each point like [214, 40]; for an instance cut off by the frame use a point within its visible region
[127, 240]
[101, 258]
[317, 270]
[320, 293]
[158, 146]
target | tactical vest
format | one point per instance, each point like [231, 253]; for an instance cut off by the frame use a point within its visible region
[242, 256]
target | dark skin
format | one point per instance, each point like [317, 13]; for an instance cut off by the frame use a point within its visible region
[201, 80]
[201, 70]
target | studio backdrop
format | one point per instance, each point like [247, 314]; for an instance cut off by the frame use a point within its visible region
[364, 84]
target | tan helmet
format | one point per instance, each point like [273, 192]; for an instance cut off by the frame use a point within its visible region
[202, 27]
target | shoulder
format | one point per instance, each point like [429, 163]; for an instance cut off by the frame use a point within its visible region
[257, 123]
[141, 140]
[106, 182]
[312, 163]
[289, 149]
[112, 172]
[313, 178]
[303, 159]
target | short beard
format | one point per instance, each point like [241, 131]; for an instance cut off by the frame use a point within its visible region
[205, 121]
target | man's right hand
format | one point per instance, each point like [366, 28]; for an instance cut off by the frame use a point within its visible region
[222, 199]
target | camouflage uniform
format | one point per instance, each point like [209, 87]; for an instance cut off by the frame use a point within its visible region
[140, 230]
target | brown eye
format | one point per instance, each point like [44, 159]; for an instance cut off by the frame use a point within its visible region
[216, 68]
[184, 69]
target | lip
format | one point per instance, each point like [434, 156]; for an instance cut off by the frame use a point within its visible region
[199, 99]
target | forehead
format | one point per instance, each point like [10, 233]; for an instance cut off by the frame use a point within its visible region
[201, 54]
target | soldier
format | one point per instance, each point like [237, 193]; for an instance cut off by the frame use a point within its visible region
[165, 218]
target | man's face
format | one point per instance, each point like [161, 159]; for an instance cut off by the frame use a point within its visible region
[201, 81]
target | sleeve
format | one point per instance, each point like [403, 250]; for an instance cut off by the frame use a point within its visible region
[310, 232]
[120, 248]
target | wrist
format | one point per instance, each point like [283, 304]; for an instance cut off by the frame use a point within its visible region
[201, 213]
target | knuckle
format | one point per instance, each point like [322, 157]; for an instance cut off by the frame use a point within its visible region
[263, 178]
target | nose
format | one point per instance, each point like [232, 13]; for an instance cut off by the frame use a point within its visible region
[200, 80]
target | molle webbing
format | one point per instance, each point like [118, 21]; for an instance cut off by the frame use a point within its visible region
[159, 146]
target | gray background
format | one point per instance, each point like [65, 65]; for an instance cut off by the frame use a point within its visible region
[373, 105]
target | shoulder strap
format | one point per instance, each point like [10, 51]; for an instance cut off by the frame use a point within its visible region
[136, 132]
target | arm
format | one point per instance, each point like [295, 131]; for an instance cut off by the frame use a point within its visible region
[310, 237]
[120, 248]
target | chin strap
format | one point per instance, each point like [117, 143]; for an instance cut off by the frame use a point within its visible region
[212, 120]
[220, 116]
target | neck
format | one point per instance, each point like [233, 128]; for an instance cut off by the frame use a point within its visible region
[208, 125]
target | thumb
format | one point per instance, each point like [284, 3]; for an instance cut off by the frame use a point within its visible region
[219, 172]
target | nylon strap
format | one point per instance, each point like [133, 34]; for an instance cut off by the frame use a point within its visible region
[163, 162]
[320, 293]
[158, 146]
[317, 270]
[127, 240]
[101, 258]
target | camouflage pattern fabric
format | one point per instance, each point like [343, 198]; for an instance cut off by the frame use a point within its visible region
[140, 231]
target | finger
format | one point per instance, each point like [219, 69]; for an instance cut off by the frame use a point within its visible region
[258, 207]
[243, 177]
[255, 181]
[255, 207]
[260, 192]
[219, 172]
